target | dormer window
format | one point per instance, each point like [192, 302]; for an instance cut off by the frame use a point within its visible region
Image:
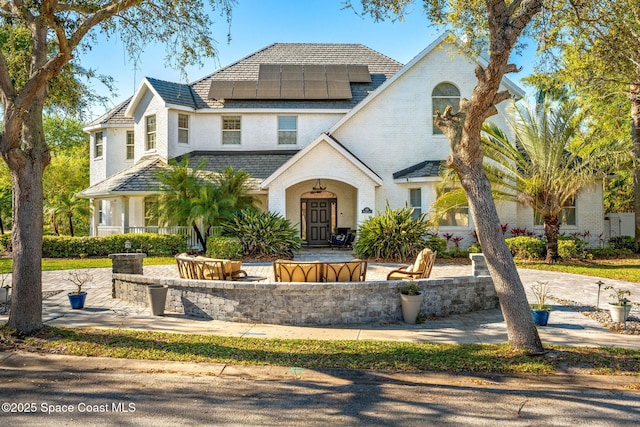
[98, 143]
[151, 133]
[183, 128]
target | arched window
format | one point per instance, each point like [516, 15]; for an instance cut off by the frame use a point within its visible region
[444, 94]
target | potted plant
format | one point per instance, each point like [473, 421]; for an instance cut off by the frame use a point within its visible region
[78, 278]
[411, 299]
[540, 311]
[620, 308]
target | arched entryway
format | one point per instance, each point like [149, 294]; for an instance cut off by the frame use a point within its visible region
[318, 212]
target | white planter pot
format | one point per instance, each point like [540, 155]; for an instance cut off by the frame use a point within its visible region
[410, 307]
[4, 294]
[619, 313]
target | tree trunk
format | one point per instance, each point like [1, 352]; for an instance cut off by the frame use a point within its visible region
[634, 96]
[551, 232]
[71, 225]
[521, 330]
[27, 167]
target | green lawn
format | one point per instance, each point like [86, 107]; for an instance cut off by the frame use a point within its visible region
[49, 264]
[320, 354]
[627, 269]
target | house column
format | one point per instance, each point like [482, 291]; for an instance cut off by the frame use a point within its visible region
[124, 212]
[366, 203]
[278, 199]
[93, 218]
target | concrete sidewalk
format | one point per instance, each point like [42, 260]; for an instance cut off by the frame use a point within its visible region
[565, 327]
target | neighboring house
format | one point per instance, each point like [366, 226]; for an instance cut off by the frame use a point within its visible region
[331, 133]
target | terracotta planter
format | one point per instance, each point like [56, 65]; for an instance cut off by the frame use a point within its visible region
[410, 307]
[619, 313]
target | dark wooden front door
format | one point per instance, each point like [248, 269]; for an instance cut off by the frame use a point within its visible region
[318, 221]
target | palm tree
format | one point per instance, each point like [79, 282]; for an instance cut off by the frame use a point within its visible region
[179, 185]
[69, 206]
[552, 159]
[193, 196]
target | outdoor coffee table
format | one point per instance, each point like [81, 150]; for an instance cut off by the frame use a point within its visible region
[250, 279]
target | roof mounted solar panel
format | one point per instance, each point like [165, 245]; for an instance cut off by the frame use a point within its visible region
[359, 73]
[245, 89]
[339, 89]
[221, 89]
[337, 72]
[292, 72]
[269, 72]
[269, 89]
[292, 89]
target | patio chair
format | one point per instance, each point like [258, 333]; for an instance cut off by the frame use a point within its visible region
[349, 271]
[297, 271]
[420, 269]
[343, 238]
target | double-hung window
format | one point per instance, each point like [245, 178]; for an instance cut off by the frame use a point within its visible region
[415, 201]
[183, 128]
[151, 133]
[287, 130]
[98, 144]
[567, 215]
[130, 145]
[231, 130]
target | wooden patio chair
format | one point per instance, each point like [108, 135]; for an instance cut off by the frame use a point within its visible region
[349, 271]
[420, 269]
[297, 271]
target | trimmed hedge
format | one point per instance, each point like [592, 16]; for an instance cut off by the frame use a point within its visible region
[572, 248]
[526, 247]
[151, 244]
[224, 247]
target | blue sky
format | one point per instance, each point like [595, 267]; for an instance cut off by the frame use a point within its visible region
[258, 23]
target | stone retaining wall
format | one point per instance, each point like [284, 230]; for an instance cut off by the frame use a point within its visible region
[309, 303]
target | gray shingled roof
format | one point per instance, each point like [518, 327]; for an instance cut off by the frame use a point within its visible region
[173, 93]
[141, 177]
[380, 66]
[421, 170]
[115, 116]
[260, 164]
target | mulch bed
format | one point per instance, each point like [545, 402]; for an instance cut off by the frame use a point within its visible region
[630, 327]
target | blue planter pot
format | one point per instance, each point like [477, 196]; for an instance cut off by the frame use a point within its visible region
[540, 317]
[77, 300]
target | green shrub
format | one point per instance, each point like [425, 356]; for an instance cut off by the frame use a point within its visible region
[224, 247]
[151, 244]
[572, 248]
[5, 242]
[393, 235]
[525, 247]
[609, 252]
[264, 234]
[474, 248]
[436, 243]
[623, 242]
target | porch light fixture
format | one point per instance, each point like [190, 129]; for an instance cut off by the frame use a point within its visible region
[318, 186]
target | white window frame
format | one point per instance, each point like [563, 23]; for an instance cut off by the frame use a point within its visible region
[184, 130]
[417, 208]
[453, 213]
[151, 140]
[285, 134]
[538, 221]
[229, 132]
[130, 145]
[454, 102]
[98, 145]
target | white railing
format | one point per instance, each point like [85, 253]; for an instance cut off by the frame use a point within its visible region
[192, 240]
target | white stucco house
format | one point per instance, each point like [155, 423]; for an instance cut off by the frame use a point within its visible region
[331, 134]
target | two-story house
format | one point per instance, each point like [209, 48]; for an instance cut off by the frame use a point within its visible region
[331, 134]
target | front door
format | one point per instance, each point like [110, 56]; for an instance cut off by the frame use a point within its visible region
[318, 221]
